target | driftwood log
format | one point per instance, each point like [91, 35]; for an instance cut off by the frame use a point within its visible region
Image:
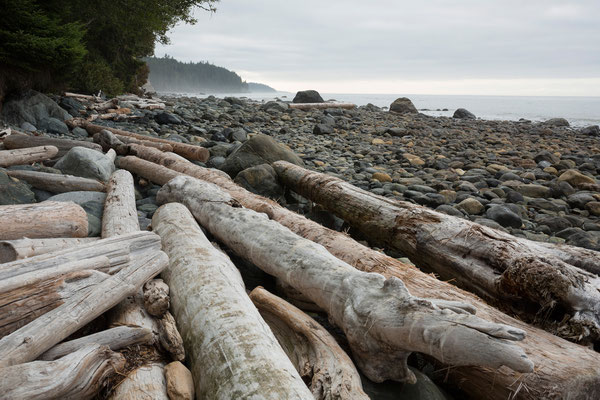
[43, 220]
[26, 156]
[486, 261]
[120, 212]
[108, 141]
[79, 375]
[231, 349]
[58, 183]
[321, 106]
[577, 376]
[11, 250]
[382, 321]
[19, 141]
[318, 358]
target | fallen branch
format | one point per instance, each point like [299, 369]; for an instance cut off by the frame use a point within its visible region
[11, 250]
[26, 156]
[20, 141]
[58, 183]
[120, 212]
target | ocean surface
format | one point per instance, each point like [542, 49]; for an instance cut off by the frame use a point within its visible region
[579, 111]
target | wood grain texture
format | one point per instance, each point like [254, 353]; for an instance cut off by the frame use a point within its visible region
[26, 156]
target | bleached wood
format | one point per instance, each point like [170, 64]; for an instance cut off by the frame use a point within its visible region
[82, 96]
[43, 220]
[20, 141]
[145, 383]
[11, 250]
[318, 358]
[156, 297]
[383, 322]
[120, 212]
[153, 172]
[320, 106]
[26, 156]
[111, 155]
[58, 183]
[232, 352]
[79, 375]
[115, 338]
[132, 140]
[28, 342]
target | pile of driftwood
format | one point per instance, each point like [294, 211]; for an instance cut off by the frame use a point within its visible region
[80, 315]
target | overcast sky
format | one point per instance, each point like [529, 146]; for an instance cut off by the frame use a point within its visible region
[511, 47]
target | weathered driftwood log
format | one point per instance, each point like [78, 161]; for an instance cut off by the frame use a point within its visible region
[148, 381]
[320, 106]
[58, 183]
[578, 375]
[79, 375]
[157, 145]
[33, 339]
[189, 151]
[86, 97]
[11, 250]
[120, 212]
[43, 220]
[119, 250]
[63, 145]
[318, 358]
[20, 307]
[26, 156]
[486, 261]
[153, 172]
[115, 338]
[232, 351]
[108, 140]
[382, 321]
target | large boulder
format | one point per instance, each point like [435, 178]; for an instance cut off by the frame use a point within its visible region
[260, 149]
[53, 125]
[32, 107]
[262, 180]
[13, 191]
[403, 105]
[72, 106]
[167, 118]
[556, 122]
[87, 163]
[308, 96]
[463, 113]
[592, 130]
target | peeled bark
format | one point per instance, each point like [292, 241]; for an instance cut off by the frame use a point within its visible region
[486, 261]
[233, 353]
[11, 250]
[26, 156]
[577, 376]
[79, 375]
[28, 342]
[58, 183]
[115, 338]
[63, 145]
[43, 220]
[313, 351]
[320, 106]
[382, 321]
[120, 212]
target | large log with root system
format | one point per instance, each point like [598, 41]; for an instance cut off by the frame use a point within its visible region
[11, 250]
[383, 322]
[318, 358]
[57, 183]
[43, 220]
[578, 375]
[26, 156]
[491, 263]
[231, 349]
[21, 141]
[79, 375]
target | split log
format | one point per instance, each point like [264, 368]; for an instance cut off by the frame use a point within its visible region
[11, 250]
[20, 141]
[58, 183]
[318, 358]
[189, 151]
[33, 339]
[26, 156]
[232, 351]
[79, 375]
[320, 106]
[43, 220]
[115, 338]
[578, 375]
[382, 321]
[119, 250]
[120, 212]
[493, 264]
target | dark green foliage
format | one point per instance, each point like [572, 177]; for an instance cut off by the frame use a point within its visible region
[170, 75]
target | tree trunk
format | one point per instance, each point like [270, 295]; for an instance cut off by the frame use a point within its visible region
[189, 151]
[63, 145]
[58, 183]
[313, 351]
[48, 219]
[26, 156]
[79, 375]
[115, 338]
[120, 213]
[577, 376]
[11, 250]
[231, 349]
[33, 339]
[382, 321]
[488, 262]
[321, 106]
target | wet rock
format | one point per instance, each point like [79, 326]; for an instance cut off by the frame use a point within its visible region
[167, 118]
[323, 129]
[532, 190]
[53, 125]
[557, 122]
[592, 130]
[32, 107]
[262, 180]
[504, 216]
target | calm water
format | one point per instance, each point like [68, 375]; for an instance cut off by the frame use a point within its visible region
[579, 111]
